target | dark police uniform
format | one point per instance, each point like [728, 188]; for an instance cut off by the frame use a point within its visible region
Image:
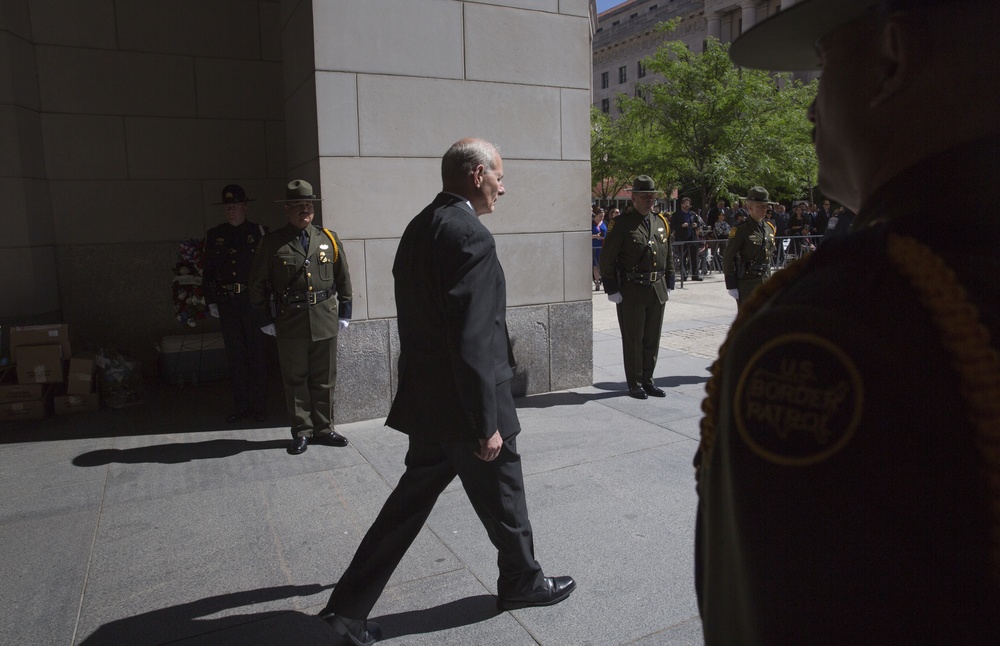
[312, 290]
[747, 260]
[637, 261]
[229, 254]
[846, 495]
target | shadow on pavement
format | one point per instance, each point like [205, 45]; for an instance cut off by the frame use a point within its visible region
[185, 623]
[461, 612]
[175, 453]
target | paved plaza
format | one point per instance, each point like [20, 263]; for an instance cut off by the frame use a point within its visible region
[156, 524]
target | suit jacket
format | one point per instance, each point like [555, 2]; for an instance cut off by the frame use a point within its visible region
[455, 362]
[275, 271]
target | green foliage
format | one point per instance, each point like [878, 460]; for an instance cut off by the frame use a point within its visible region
[709, 127]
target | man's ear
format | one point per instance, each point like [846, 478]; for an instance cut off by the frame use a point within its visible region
[477, 175]
[896, 42]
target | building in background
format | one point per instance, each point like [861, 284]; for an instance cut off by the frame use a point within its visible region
[121, 120]
[627, 34]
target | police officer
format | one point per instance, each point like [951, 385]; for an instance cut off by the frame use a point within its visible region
[637, 268]
[747, 260]
[229, 253]
[304, 268]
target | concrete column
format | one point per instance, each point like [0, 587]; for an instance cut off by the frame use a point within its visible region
[715, 26]
[749, 14]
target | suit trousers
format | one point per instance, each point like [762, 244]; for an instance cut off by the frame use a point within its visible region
[244, 354]
[309, 374]
[640, 321]
[496, 491]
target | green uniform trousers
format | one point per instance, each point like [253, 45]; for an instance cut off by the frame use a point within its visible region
[640, 321]
[309, 374]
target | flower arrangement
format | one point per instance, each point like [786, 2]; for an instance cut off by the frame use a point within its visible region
[189, 298]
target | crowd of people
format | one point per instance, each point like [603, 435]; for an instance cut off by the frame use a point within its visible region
[701, 241]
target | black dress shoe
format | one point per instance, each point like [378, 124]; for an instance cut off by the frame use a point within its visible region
[698, 278]
[653, 391]
[333, 438]
[637, 392]
[553, 590]
[299, 445]
[359, 632]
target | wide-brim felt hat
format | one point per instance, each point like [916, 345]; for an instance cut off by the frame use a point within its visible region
[233, 194]
[299, 190]
[758, 194]
[643, 184]
[787, 40]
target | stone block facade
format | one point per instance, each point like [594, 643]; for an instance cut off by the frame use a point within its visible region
[123, 119]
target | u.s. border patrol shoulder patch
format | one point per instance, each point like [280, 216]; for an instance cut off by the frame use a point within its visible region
[799, 400]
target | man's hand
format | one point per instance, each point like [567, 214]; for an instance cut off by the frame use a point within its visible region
[213, 309]
[490, 449]
[615, 298]
[735, 293]
[269, 329]
[342, 324]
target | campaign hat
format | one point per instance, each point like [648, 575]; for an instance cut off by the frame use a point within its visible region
[643, 184]
[233, 194]
[787, 40]
[299, 190]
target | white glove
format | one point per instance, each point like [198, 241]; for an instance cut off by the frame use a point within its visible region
[269, 330]
[735, 293]
[213, 309]
[343, 323]
[615, 298]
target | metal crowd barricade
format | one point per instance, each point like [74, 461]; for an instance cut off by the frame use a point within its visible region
[787, 248]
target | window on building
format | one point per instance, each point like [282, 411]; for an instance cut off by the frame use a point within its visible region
[622, 74]
[652, 8]
[640, 69]
[605, 105]
[616, 23]
[604, 80]
[599, 30]
[633, 16]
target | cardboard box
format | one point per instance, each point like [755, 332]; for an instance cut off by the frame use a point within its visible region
[18, 411]
[23, 335]
[80, 378]
[20, 393]
[39, 364]
[66, 404]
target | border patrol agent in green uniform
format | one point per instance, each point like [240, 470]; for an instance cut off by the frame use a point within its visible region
[747, 260]
[304, 268]
[637, 268]
[849, 466]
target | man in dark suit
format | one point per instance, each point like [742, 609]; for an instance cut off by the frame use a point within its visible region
[304, 268]
[454, 398]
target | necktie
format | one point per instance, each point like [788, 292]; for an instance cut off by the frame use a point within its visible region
[304, 239]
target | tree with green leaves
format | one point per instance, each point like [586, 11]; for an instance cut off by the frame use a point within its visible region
[721, 128]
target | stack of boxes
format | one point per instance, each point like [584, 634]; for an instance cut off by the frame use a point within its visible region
[40, 353]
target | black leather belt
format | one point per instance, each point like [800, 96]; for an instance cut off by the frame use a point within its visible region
[643, 277]
[233, 288]
[307, 298]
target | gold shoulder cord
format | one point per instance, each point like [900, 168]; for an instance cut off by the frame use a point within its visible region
[962, 334]
[336, 252]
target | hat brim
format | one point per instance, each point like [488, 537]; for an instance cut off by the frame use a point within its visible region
[786, 42]
[654, 191]
[752, 199]
[302, 199]
[243, 202]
